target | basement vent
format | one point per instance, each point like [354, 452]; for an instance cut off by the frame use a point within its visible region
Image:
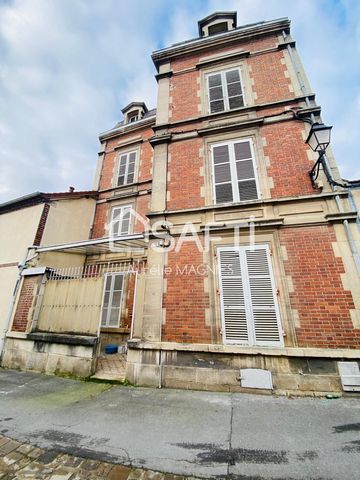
[350, 376]
[256, 378]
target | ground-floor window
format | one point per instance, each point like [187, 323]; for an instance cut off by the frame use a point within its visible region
[112, 299]
[249, 308]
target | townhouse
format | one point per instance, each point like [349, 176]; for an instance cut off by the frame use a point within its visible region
[215, 259]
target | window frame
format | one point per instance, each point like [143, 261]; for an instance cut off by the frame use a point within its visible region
[113, 275]
[233, 171]
[248, 306]
[121, 207]
[127, 154]
[225, 97]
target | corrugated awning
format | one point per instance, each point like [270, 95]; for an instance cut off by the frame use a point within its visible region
[118, 244]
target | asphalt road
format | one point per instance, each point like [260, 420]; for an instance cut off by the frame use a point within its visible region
[247, 437]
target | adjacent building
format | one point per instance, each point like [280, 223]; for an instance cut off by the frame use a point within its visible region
[32, 221]
[214, 256]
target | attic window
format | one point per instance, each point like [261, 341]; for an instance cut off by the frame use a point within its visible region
[218, 28]
[133, 117]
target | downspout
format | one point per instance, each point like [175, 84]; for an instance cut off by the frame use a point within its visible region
[349, 235]
[9, 315]
[348, 232]
[298, 75]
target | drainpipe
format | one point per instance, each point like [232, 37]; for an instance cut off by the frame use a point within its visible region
[298, 75]
[8, 317]
[349, 235]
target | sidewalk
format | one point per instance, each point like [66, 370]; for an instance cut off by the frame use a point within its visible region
[24, 461]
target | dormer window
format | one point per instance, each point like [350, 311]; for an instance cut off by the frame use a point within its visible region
[133, 117]
[218, 28]
[219, 22]
[134, 111]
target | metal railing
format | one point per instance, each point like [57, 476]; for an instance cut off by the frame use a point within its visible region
[94, 270]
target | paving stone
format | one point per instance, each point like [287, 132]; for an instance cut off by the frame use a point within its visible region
[4, 440]
[90, 465]
[9, 447]
[136, 474]
[36, 453]
[24, 448]
[47, 457]
[119, 473]
[104, 469]
[15, 456]
[61, 474]
[26, 462]
[69, 461]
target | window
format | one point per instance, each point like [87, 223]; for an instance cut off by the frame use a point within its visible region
[120, 220]
[225, 90]
[218, 28]
[112, 297]
[234, 172]
[126, 168]
[133, 116]
[248, 304]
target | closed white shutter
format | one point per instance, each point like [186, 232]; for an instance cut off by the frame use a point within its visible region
[232, 297]
[222, 174]
[233, 89]
[262, 297]
[216, 93]
[126, 173]
[112, 298]
[234, 171]
[245, 170]
[120, 220]
[225, 90]
[248, 302]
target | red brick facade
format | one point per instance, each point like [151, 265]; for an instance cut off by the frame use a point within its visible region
[141, 199]
[289, 165]
[319, 296]
[26, 301]
[185, 301]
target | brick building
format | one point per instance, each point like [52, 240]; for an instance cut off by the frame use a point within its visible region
[218, 258]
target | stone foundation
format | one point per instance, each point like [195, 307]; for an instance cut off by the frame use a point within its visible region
[217, 368]
[51, 354]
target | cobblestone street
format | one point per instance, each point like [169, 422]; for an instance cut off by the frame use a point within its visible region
[25, 461]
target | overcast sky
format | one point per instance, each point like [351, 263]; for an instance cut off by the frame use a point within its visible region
[67, 67]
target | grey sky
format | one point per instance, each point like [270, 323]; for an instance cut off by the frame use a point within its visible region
[67, 67]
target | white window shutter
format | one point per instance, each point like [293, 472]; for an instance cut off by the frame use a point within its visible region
[112, 300]
[222, 174]
[262, 297]
[248, 303]
[120, 220]
[126, 172]
[233, 89]
[216, 93]
[235, 328]
[234, 172]
[245, 170]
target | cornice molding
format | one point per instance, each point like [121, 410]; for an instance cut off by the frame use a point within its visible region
[246, 109]
[159, 139]
[129, 127]
[206, 43]
[250, 204]
[223, 58]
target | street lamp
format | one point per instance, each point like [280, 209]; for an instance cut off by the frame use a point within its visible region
[318, 140]
[319, 137]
